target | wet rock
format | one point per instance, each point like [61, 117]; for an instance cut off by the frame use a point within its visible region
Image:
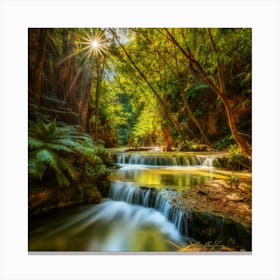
[220, 212]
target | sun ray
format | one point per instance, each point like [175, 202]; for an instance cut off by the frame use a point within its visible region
[92, 44]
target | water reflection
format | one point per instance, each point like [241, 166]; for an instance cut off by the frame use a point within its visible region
[174, 177]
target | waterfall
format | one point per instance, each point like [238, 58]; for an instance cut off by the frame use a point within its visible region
[158, 160]
[208, 162]
[160, 200]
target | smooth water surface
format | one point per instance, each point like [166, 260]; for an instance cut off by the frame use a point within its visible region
[179, 178]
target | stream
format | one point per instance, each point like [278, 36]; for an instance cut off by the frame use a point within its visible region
[135, 217]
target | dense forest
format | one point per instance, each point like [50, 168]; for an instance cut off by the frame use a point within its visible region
[94, 89]
[165, 87]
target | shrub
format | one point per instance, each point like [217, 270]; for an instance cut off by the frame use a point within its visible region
[224, 142]
[188, 146]
[234, 180]
[237, 160]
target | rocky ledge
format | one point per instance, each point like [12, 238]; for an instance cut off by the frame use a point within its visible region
[219, 211]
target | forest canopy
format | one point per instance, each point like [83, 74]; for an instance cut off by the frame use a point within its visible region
[174, 87]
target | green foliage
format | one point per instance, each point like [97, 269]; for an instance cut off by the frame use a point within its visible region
[235, 152]
[147, 130]
[236, 159]
[119, 101]
[57, 150]
[224, 142]
[104, 156]
[193, 91]
[187, 146]
[234, 180]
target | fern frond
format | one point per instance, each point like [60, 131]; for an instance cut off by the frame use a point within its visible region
[34, 130]
[67, 166]
[49, 157]
[59, 147]
[35, 142]
[62, 179]
[69, 143]
[36, 168]
[50, 130]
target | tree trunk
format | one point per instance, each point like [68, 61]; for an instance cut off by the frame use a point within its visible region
[193, 118]
[37, 75]
[99, 72]
[189, 109]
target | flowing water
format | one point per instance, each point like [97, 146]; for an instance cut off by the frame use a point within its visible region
[107, 227]
[136, 216]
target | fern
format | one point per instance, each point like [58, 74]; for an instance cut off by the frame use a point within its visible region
[65, 165]
[48, 157]
[59, 147]
[62, 179]
[34, 142]
[36, 168]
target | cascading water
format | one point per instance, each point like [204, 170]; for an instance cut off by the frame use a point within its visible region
[157, 160]
[164, 160]
[208, 162]
[142, 170]
[150, 197]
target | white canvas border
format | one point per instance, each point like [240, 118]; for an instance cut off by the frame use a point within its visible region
[17, 16]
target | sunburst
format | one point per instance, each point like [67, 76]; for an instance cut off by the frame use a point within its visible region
[94, 43]
[90, 45]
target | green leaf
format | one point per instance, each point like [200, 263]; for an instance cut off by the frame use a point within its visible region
[69, 143]
[35, 142]
[36, 168]
[67, 166]
[59, 147]
[49, 157]
[62, 179]
[196, 89]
